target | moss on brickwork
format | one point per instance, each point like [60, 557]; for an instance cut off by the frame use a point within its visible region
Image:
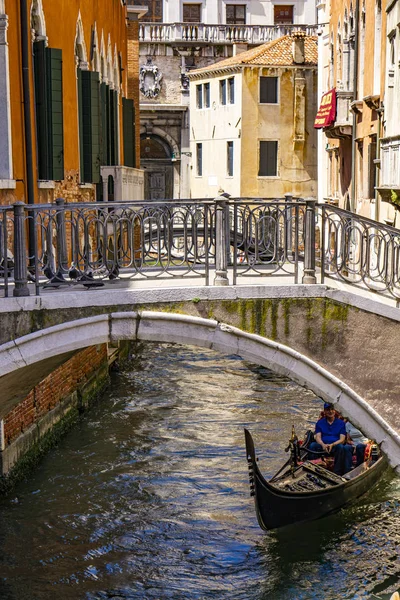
[31, 459]
[88, 393]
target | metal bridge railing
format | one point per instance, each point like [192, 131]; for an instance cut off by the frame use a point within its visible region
[359, 251]
[218, 241]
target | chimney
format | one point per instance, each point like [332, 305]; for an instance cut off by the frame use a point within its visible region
[238, 48]
[298, 47]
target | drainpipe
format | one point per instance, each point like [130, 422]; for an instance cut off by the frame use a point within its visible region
[26, 87]
[355, 92]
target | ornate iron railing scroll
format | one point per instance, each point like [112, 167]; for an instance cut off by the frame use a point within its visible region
[359, 251]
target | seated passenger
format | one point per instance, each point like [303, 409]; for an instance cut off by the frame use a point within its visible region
[330, 437]
[356, 440]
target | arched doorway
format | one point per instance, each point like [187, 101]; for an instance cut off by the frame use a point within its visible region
[156, 160]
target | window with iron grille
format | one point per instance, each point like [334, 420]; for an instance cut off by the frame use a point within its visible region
[268, 90]
[191, 13]
[283, 14]
[236, 14]
[268, 159]
[199, 159]
[154, 10]
[229, 159]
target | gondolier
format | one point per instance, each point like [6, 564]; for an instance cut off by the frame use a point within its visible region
[303, 490]
[330, 437]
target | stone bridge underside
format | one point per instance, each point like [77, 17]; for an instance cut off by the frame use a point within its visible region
[334, 343]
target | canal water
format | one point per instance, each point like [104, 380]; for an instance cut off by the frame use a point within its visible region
[148, 498]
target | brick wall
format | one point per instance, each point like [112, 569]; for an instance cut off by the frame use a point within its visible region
[52, 390]
[133, 78]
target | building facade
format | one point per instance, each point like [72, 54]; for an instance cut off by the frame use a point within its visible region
[177, 37]
[67, 108]
[252, 120]
[352, 59]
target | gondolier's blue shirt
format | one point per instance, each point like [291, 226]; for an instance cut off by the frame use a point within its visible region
[330, 433]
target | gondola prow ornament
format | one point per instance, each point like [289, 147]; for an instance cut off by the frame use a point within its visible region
[294, 449]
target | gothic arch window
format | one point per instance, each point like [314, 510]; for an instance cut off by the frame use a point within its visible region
[80, 45]
[117, 82]
[110, 71]
[38, 22]
[103, 60]
[94, 50]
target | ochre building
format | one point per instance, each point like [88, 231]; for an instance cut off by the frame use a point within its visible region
[67, 116]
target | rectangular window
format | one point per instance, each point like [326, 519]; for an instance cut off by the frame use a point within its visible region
[268, 90]
[199, 159]
[199, 96]
[231, 90]
[154, 10]
[268, 159]
[222, 91]
[236, 14]
[229, 159]
[283, 14]
[206, 95]
[191, 13]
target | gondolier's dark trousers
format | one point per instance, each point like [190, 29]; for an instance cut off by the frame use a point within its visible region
[342, 453]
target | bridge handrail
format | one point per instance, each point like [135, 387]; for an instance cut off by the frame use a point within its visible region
[46, 243]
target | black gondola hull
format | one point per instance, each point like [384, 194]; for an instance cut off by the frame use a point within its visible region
[277, 508]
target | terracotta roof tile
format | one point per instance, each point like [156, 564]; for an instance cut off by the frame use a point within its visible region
[279, 52]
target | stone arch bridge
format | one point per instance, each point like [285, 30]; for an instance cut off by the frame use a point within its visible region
[340, 345]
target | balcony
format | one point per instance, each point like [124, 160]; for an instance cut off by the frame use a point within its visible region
[343, 125]
[201, 33]
[390, 168]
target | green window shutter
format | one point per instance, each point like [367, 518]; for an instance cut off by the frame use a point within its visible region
[95, 121]
[115, 128]
[80, 117]
[55, 113]
[128, 114]
[39, 58]
[90, 126]
[103, 122]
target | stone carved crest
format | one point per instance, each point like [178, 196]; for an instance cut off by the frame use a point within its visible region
[150, 80]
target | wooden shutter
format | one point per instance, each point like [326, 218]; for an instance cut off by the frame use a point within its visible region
[128, 114]
[269, 90]
[114, 127]
[55, 113]
[42, 136]
[90, 107]
[268, 165]
[103, 123]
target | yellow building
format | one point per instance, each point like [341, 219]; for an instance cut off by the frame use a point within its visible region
[67, 108]
[352, 65]
[252, 122]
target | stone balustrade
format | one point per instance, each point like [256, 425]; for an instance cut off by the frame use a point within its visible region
[203, 33]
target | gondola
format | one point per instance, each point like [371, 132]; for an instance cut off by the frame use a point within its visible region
[304, 490]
